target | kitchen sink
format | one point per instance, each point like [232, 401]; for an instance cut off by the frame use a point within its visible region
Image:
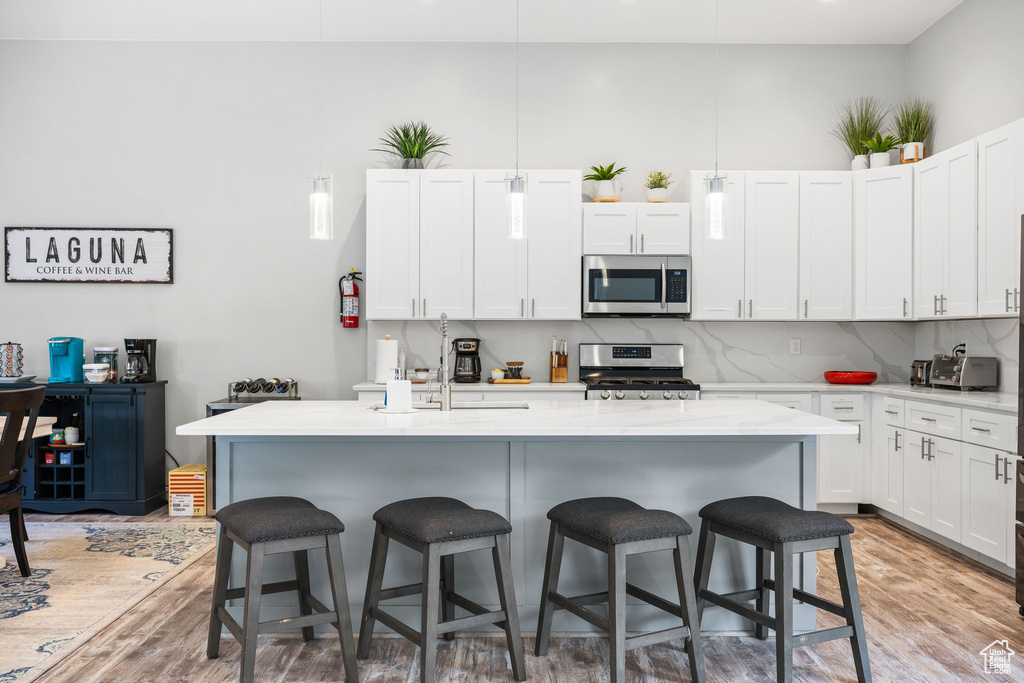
[464, 405]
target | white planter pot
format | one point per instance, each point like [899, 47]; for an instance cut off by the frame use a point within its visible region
[880, 160]
[913, 151]
[606, 189]
[657, 195]
[860, 162]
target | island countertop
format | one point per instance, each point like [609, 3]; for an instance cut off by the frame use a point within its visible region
[542, 419]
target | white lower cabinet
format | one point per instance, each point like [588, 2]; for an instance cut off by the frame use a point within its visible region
[804, 402]
[841, 462]
[988, 496]
[932, 484]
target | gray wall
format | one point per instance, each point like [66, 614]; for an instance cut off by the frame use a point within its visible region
[971, 63]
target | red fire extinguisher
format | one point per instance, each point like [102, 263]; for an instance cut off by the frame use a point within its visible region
[350, 299]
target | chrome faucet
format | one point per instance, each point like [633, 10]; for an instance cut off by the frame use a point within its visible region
[445, 397]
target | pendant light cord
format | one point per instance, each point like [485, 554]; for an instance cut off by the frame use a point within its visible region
[517, 88]
[717, 79]
[320, 108]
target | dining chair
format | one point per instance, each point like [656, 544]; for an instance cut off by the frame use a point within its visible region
[19, 409]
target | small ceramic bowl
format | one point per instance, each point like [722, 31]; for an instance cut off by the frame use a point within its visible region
[497, 374]
[421, 373]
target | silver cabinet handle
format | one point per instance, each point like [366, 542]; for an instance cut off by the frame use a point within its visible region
[805, 308]
[414, 308]
[858, 433]
[931, 449]
[981, 429]
[942, 300]
[924, 448]
[1016, 299]
[928, 419]
[750, 309]
[739, 308]
[664, 283]
[522, 308]
[935, 305]
[897, 440]
[641, 243]
[1006, 470]
[892, 412]
[630, 244]
[904, 307]
[1006, 300]
[998, 458]
[424, 309]
[842, 407]
[533, 308]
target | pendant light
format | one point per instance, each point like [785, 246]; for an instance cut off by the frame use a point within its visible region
[716, 185]
[515, 183]
[321, 196]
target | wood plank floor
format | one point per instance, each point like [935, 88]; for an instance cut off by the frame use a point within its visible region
[928, 613]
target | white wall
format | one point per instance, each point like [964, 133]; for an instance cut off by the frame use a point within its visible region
[971, 63]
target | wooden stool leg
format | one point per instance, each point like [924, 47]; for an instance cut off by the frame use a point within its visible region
[428, 632]
[220, 589]
[552, 567]
[339, 591]
[18, 539]
[507, 596]
[784, 612]
[301, 558]
[617, 612]
[447, 588]
[763, 601]
[688, 603]
[851, 602]
[251, 618]
[702, 568]
[378, 559]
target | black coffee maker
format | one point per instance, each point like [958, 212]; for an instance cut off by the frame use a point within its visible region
[467, 360]
[140, 360]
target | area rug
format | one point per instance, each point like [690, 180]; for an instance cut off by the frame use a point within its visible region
[84, 576]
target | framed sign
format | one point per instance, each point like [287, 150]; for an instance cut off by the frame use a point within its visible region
[88, 255]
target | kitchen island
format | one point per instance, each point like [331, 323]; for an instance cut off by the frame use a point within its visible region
[350, 459]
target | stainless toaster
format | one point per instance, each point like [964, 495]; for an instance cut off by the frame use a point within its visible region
[965, 372]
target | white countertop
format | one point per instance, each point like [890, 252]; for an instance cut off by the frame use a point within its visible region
[987, 400]
[571, 387]
[543, 418]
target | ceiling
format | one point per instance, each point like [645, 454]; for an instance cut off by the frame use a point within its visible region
[596, 21]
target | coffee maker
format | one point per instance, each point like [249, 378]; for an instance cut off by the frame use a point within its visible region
[140, 361]
[467, 360]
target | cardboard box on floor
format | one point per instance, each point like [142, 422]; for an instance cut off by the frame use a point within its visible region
[186, 491]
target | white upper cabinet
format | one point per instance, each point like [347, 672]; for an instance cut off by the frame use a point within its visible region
[772, 245]
[1000, 204]
[446, 244]
[826, 245]
[883, 210]
[392, 244]
[627, 228]
[945, 233]
[501, 263]
[555, 238]
[718, 270]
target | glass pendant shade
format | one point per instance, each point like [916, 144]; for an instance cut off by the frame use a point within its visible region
[716, 206]
[515, 205]
[321, 208]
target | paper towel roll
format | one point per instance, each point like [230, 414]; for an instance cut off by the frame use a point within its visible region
[398, 398]
[387, 360]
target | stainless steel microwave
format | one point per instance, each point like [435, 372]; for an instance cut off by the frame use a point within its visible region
[643, 286]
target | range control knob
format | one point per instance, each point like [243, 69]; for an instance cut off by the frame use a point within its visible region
[620, 395]
[683, 396]
[605, 395]
[644, 395]
[667, 395]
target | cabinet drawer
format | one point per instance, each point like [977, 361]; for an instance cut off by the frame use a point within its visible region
[714, 396]
[892, 411]
[842, 406]
[933, 419]
[802, 402]
[995, 430]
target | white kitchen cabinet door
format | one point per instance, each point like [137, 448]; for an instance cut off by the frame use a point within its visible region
[883, 210]
[392, 244]
[917, 480]
[804, 402]
[987, 487]
[662, 229]
[931, 234]
[555, 235]
[501, 264]
[893, 496]
[446, 244]
[718, 291]
[772, 246]
[841, 467]
[826, 245]
[961, 273]
[946, 465]
[609, 228]
[999, 222]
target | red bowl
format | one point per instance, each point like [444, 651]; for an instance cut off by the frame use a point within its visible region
[850, 377]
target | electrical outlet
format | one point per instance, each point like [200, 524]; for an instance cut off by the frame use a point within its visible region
[794, 347]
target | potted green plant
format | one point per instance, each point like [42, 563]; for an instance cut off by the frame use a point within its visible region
[913, 124]
[859, 120]
[606, 187]
[879, 148]
[412, 142]
[657, 187]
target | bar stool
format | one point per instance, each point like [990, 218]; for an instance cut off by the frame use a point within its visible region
[772, 526]
[269, 526]
[620, 528]
[439, 528]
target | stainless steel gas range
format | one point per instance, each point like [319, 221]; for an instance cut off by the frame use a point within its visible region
[635, 372]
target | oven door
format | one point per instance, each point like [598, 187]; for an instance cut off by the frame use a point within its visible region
[636, 285]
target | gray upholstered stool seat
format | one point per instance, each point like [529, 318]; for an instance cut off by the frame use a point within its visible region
[433, 520]
[617, 520]
[272, 519]
[620, 528]
[774, 520]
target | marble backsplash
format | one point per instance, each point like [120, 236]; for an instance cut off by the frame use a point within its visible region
[992, 337]
[715, 351]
